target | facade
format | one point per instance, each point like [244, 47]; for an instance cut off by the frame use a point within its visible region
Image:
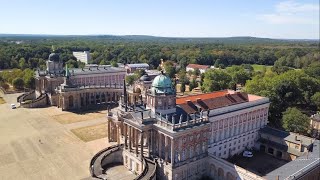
[82, 56]
[202, 68]
[187, 136]
[74, 89]
[131, 68]
[315, 125]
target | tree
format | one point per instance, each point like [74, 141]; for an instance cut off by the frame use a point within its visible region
[193, 84]
[169, 69]
[114, 64]
[131, 78]
[215, 80]
[295, 121]
[18, 83]
[196, 72]
[139, 72]
[316, 100]
[22, 63]
[183, 87]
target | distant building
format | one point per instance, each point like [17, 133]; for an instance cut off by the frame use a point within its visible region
[75, 88]
[82, 56]
[202, 68]
[131, 68]
[315, 125]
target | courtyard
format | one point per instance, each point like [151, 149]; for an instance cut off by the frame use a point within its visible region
[261, 163]
[35, 144]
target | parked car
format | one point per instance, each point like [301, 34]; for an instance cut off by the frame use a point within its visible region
[247, 154]
[13, 106]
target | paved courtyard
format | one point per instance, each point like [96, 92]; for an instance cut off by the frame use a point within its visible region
[33, 145]
[261, 163]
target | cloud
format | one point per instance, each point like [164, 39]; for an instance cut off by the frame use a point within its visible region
[294, 7]
[291, 12]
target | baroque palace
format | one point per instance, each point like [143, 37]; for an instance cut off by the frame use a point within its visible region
[75, 88]
[182, 138]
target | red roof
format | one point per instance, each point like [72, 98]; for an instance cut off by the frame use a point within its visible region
[198, 66]
[212, 100]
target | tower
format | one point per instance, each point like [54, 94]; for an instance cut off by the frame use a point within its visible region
[161, 98]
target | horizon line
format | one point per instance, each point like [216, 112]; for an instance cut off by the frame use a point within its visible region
[182, 37]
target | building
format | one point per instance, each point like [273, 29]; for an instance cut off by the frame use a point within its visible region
[76, 88]
[283, 145]
[82, 56]
[131, 68]
[166, 137]
[302, 152]
[202, 68]
[315, 125]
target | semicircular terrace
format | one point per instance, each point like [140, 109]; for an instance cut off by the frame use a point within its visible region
[111, 156]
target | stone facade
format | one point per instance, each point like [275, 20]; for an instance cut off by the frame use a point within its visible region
[87, 87]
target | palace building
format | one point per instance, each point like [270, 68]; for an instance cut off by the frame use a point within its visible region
[74, 88]
[165, 137]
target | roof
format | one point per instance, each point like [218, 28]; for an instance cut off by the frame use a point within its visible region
[210, 101]
[298, 167]
[287, 136]
[95, 70]
[138, 65]
[198, 66]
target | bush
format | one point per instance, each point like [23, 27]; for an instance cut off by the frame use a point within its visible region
[5, 86]
[18, 83]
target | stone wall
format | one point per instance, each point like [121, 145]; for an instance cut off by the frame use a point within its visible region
[39, 102]
[114, 157]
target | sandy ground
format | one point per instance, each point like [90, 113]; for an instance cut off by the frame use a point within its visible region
[33, 145]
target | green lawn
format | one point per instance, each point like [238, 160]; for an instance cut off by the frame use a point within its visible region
[257, 67]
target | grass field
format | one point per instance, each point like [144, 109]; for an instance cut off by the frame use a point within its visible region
[258, 67]
[68, 118]
[2, 101]
[90, 133]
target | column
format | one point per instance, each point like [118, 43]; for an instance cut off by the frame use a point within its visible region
[166, 149]
[141, 143]
[125, 136]
[172, 151]
[109, 133]
[136, 141]
[118, 134]
[159, 146]
[130, 138]
[149, 141]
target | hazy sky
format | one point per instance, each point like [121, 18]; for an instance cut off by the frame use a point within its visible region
[174, 18]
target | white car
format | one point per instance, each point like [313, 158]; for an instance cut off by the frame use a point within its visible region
[247, 154]
[13, 106]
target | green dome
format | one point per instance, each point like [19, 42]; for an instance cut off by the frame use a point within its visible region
[162, 85]
[162, 81]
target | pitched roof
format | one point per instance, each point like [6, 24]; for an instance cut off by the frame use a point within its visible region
[198, 66]
[209, 101]
[138, 65]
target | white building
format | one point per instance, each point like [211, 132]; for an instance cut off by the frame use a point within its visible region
[82, 56]
[202, 68]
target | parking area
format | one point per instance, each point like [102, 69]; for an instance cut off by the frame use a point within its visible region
[261, 163]
[34, 145]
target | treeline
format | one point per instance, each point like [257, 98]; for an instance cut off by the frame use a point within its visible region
[32, 53]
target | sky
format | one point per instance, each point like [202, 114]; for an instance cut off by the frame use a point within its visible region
[290, 19]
